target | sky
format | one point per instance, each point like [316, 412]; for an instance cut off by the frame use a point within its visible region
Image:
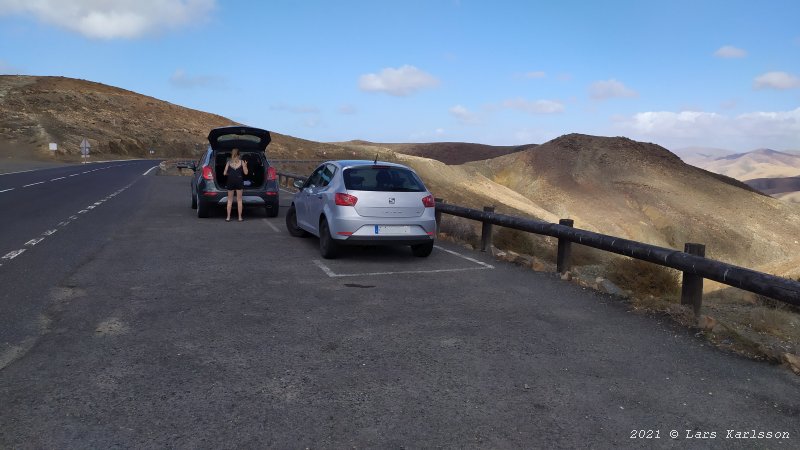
[723, 74]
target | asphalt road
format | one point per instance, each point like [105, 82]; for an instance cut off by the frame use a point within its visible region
[139, 325]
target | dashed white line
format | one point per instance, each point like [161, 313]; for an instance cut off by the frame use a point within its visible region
[56, 179]
[11, 255]
[49, 232]
[33, 184]
[74, 174]
[6, 190]
[83, 211]
[34, 241]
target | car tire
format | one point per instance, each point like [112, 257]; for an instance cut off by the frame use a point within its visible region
[422, 250]
[194, 201]
[328, 247]
[291, 223]
[203, 208]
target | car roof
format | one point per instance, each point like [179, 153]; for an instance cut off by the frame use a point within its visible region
[347, 163]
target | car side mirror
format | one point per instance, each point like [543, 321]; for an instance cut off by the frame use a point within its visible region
[298, 184]
[193, 166]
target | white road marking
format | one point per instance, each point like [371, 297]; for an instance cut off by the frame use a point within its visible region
[83, 211]
[91, 207]
[488, 266]
[269, 224]
[50, 232]
[33, 242]
[11, 255]
[6, 190]
[56, 179]
[149, 170]
[21, 171]
[483, 266]
[74, 174]
[33, 184]
[86, 171]
[332, 274]
[63, 224]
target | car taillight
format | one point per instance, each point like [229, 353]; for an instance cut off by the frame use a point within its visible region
[429, 202]
[208, 173]
[272, 174]
[345, 199]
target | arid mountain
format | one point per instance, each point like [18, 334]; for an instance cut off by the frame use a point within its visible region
[773, 186]
[447, 152]
[642, 191]
[35, 111]
[699, 155]
[762, 163]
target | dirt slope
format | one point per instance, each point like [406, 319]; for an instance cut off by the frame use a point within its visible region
[642, 191]
[762, 163]
[451, 153]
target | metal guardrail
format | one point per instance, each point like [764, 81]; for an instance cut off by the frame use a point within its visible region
[692, 261]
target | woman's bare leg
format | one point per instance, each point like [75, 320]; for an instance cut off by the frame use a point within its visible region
[230, 203]
[239, 202]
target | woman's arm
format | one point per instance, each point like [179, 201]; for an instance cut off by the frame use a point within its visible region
[225, 172]
[244, 167]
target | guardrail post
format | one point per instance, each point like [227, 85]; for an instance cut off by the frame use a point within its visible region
[486, 231]
[438, 214]
[692, 285]
[564, 257]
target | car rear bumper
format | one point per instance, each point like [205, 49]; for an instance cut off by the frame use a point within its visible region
[359, 229]
[385, 240]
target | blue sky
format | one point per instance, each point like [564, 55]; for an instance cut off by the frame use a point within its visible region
[678, 73]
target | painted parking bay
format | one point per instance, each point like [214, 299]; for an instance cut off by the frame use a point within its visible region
[387, 261]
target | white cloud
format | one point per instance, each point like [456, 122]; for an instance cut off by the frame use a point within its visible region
[534, 107]
[779, 129]
[399, 82]
[603, 90]
[464, 115]
[729, 51]
[181, 79]
[776, 80]
[102, 19]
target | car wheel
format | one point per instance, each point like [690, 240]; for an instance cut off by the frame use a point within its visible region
[194, 201]
[203, 208]
[328, 247]
[291, 223]
[422, 250]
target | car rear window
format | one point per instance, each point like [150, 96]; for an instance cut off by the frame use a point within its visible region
[242, 137]
[382, 178]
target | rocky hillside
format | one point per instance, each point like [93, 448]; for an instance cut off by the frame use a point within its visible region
[642, 191]
[35, 111]
[451, 153]
[762, 163]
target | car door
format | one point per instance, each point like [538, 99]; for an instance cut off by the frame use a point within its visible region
[317, 195]
[302, 199]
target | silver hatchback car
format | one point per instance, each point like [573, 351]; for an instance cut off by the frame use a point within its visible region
[363, 203]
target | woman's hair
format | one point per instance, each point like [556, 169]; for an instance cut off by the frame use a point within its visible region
[235, 154]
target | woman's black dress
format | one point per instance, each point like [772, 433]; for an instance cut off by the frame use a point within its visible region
[235, 178]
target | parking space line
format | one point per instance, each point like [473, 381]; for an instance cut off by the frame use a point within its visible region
[269, 224]
[483, 266]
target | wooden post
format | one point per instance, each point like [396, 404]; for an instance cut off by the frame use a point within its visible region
[564, 257]
[438, 214]
[486, 231]
[692, 285]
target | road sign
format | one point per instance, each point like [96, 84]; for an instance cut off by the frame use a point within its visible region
[85, 146]
[53, 146]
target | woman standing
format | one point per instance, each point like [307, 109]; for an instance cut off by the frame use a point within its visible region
[235, 169]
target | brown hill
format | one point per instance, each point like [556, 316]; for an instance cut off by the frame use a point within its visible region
[451, 153]
[762, 163]
[642, 191]
[774, 186]
[35, 111]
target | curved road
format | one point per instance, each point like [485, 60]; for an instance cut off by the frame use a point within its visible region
[135, 324]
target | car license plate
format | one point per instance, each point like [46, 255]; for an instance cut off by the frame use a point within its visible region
[392, 229]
